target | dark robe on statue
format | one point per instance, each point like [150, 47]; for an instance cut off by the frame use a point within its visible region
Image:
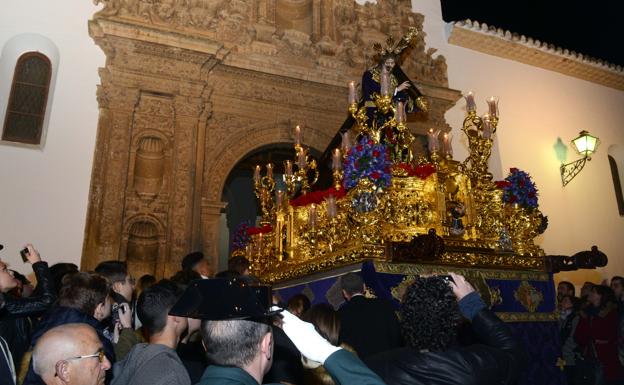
[371, 84]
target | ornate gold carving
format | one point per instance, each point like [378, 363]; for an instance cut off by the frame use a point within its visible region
[527, 317]
[412, 269]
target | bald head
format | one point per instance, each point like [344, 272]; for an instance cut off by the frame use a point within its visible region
[57, 350]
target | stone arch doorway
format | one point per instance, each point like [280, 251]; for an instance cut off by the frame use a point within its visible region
[238, 192]
[230, 168]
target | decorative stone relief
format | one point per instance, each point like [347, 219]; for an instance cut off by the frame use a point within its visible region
[191, 87]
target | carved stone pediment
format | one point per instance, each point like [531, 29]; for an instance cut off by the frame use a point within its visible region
[325, 35]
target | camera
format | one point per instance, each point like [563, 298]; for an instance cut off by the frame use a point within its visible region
[447, 278]
[24, 253]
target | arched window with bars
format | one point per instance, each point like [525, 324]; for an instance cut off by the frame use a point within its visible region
[25, 112]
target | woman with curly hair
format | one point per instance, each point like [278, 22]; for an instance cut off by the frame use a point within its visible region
[430, 314]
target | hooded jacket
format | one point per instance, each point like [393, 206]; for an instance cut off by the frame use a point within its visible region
[150, 364]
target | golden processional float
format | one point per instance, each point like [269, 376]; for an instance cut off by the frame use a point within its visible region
[385, 202]
[407, 214]
[393, 213]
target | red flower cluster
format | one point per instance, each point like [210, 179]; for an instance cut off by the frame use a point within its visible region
[501, 184]
[259, 230]
[422, 171]
[317, 197]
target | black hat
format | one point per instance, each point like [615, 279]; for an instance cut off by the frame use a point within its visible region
[221, 299]
[191, 260]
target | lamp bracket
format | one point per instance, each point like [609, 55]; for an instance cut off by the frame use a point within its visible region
[570, 170]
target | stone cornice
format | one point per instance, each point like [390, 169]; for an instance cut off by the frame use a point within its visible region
[487, 39]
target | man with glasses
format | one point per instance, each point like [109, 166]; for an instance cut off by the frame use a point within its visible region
[70, 354]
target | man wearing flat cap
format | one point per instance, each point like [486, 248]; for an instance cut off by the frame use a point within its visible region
[196, 262]
[239, 341]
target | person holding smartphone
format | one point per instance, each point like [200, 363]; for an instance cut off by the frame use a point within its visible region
[15, 326]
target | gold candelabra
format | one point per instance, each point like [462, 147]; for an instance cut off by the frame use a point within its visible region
[264, 187]
[305, 176]
[480, 131]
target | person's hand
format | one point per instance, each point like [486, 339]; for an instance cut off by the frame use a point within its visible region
[33, 255]
[403, 86]
[116, 332]
[125, 316]
[460, 286]
[307, 340]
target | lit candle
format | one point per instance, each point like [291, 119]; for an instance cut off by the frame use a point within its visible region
[384, 83]
[400, 112]
[487, 126]
[470, 102]
[332, 209]
[433, 143]
[269, 168]
[493, 107]
[346, 142]
[297, 135]
[301, 159]
[289, 168]
[256, 176]
[352, 92]
[336, 160]
[312, 215]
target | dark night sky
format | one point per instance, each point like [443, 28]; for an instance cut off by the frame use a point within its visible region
[592, 28]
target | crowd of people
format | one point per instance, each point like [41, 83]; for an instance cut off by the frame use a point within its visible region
[102, 327]
[591, 331]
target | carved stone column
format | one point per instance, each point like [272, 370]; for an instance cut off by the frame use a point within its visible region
[146, 183]
[210, 215]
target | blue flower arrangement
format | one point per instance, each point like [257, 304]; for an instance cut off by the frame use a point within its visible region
[367, 160]
[241, 237]
[519, 188]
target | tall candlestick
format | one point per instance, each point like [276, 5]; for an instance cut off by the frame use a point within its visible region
[269, 168]
[297, 135]
[301, 159]
[433, 143]
[493, 107]
[400, 112]
[352, 92]
[336, 160]
[384, 83]
[346, 142]
[470, 102]
[487, 126]
[312, 215]
[289, 168]
[256, 176]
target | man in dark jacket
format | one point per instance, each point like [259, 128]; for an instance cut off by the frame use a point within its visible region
[156, 362]
[430, 316]
[369, 325]
[15, 313]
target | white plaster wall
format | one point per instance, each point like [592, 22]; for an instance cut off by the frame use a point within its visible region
[537, 107]
[43, 191]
